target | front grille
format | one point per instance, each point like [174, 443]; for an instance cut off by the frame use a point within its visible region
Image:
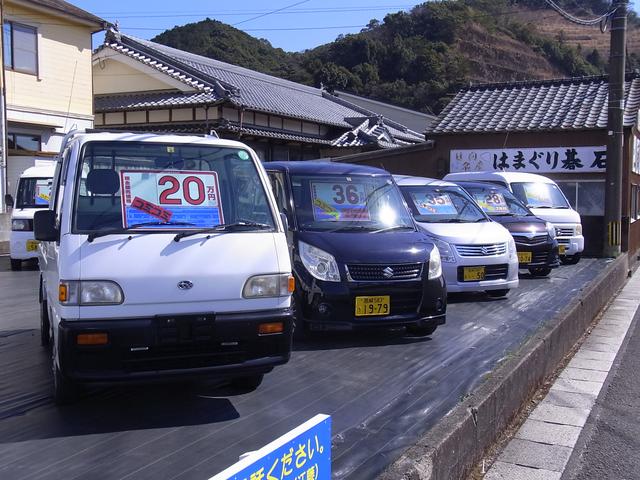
[481, 250]
[536, 240]
[564, 232]
[384, 272]
[539, 257]
[491, 272]
[182, 357]
[564, 241]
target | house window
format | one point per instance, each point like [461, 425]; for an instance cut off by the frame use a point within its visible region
[586, 197]
[24, 141]
[20, 47]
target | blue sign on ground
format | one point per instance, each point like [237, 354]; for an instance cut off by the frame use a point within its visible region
[304, 453]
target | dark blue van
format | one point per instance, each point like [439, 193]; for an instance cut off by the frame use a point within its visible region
[358, 257]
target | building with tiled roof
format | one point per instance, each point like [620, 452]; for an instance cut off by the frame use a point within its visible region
[142, 85]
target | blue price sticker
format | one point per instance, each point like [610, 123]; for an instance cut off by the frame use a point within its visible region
[340, 201]
[433, 204]
[492, 202]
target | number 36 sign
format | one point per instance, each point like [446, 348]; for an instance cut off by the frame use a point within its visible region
[184, 199]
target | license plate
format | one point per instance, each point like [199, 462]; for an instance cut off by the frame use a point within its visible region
[32, 245]
[373, 306]
[524, 257]
[471, 274]
[562, 249]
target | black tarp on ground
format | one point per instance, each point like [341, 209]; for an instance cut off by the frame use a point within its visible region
[382, 390]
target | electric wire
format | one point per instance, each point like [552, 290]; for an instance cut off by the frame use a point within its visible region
[580, 21]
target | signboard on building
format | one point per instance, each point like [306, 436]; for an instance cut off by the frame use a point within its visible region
[302, 454]
[531, 160]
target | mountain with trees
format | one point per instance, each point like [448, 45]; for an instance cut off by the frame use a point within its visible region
[419, 58]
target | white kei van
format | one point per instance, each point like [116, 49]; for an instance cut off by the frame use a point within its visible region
[32, 195]
[162, 256]
[477, 253]
[545, 199]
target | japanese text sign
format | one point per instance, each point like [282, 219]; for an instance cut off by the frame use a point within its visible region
[184, 199]
[530, 160]
[433, 204]
[304, 453]
[340, 201]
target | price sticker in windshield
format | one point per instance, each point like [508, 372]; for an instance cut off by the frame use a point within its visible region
[339, 201]
[433, 204]
[181, 199]
[42, 192]
[491, 203]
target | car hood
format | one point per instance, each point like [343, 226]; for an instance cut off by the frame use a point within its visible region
[557, 215]
[521, 223]
[363, 247]
[467, 233]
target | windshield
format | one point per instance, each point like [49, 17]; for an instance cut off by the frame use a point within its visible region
[340, 203]
[539, 195]
[33, 193]
[435, 204]
[164, 187]
[496, 201]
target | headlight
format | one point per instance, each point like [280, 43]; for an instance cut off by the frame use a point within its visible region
[435, 264]
[512, 248]
[551, 230]
[445, 250]
[279, 285]
[19, 225]
[579, 229]
[319, 263]
[90, 292]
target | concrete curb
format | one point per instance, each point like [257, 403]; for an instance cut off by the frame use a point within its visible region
[452, 448]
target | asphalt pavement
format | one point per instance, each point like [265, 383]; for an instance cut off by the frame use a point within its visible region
[383, 391]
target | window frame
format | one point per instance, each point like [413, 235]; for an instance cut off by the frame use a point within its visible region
[14, 135]
[12, 67]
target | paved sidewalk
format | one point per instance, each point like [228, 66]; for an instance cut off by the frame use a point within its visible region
[544, 444]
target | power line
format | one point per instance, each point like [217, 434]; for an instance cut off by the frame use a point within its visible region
[580, 21]
[270, 13]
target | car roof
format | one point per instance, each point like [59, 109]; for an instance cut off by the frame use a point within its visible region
[503, 176]
[39, 171]
[477, 184]
[311, 167]
[156, 138]
[408, 180]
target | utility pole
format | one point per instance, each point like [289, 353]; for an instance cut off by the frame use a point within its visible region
[615, 126]
[3, 122]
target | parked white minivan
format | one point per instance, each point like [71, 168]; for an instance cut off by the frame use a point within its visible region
[162, 256]
[477, 253]
[32, 195]
[545, 199]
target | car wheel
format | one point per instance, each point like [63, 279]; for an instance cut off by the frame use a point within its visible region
[540, 271]
[498, 293]
[16, 264]
[65, 390]
[45, 325]
[570, 260]
[421, 331]
[247, 384]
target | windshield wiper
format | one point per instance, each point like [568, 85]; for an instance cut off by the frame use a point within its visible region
[395, 227]
[223, 227]
[101, 233]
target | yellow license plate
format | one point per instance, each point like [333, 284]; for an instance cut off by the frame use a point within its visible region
[373, 306]
[471, 274]
[32, 245]
[561, 249]
[524, 257]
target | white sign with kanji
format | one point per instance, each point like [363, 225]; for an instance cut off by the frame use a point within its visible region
[530, 160]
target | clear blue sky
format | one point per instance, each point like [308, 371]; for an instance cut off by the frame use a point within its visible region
[292, 25]
[323, 20]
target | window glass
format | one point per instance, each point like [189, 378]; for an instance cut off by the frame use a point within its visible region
[24, 48]
[495, 200]
[570, 190]
[441, 204]
[539, 195]
[33, 193]
[167, 187]
[26, 142]
[8, 45]
[590, 198]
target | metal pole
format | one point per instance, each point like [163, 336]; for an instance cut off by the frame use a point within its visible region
[615, 125]
[3, 120]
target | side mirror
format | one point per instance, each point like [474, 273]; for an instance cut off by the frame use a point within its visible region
[285, 221]
[44, 226]
[8, 200]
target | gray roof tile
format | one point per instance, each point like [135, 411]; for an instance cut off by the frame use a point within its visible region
[565, 104]
[139, 101]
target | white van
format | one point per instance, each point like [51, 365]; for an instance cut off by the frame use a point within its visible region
[162, 256]
[32, 195]
[545, 199]
[477, 253]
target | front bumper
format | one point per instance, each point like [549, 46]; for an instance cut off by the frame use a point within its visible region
[18, 245]
[542, 255]
[198, 345]
[501, 272]
[572, 245]
[331, 305]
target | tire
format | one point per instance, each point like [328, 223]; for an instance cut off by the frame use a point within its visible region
[45, 325]
[570, 260]
[498, 293]
[421, 331]
[247, 384]
[16, 264]
[540, 271]
[65, 390]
